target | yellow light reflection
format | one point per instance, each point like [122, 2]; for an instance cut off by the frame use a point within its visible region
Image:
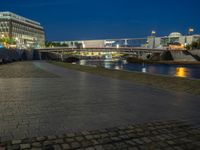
[181, 72]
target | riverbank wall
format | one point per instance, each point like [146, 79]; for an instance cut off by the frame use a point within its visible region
[170, 57]
[10, 55]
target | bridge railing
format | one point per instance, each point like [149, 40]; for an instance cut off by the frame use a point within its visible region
[97, 49]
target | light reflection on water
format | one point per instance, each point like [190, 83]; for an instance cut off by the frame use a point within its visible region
[184, 71]
[181, 72]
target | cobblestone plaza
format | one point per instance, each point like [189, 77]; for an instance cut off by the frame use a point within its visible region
[43, 106]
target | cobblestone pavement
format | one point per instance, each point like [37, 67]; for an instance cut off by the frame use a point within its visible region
[169, 135]
[40, 99]
[23, 70]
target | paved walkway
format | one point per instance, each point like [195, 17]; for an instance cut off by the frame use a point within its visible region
[169, 135]
[53, 100]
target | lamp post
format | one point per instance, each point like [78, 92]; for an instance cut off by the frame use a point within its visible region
[153, 34]
[3, 40]
[117, 46]
[2, 35]
[190, 31]
[17, 42]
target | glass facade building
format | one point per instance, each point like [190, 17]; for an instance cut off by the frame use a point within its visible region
[27, 33]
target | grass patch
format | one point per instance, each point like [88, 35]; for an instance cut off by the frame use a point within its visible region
[159, 81]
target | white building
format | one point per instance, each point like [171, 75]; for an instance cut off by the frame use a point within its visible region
[175, 37]
[27, 33]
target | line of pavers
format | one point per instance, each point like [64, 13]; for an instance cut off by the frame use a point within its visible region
[157, 135]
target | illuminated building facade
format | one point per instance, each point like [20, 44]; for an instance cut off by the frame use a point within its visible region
[174, 41]
[26, 33]
[130, 42]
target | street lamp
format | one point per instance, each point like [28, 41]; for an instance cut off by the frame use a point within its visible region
[3, 40]
[190, 31]
[17, 42]
[2, 35]
[153, 34]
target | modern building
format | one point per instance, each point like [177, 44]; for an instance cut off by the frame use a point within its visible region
[175, 40]
[129, 42]
[26, 33]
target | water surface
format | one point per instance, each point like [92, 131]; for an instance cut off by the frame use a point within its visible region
[184, 71]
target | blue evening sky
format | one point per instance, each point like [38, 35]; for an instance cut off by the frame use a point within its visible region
[104, 19]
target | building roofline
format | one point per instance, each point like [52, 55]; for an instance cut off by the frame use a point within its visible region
[21, 17]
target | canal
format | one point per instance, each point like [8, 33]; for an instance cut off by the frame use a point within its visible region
[184, 71]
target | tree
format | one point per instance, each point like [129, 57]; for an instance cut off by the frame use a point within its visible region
[8, 41]
[78, 45]
[55, 44]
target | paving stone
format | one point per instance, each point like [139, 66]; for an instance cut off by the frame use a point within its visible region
[99, 147]
[124, 137]
[25, 146]
[104, 140]
[85, 133]
[109, 147]
[65, 146]
[146, 140]
[142, 147]
[57, 147]
[86, 143]
[138, 141]
[103, 131]
[171, 142]
[138, 130]
[16, 141]
[121, 132]
[41, 139]
[120, 145]
[59, 141]
[104, 135]
[133, 148]
[112, 141]
[62, 136]
[162, 144]
[48, 147]
[75, 145]
[178, 148]
[97, 136]
[70, 135]
[36, 144]
[52, 137]
[115, 139]
[14, 147]
[169, 148]
[28, 140]
[79, 138]
[36, 148]
[47, 143]
[197, 144]
[131, 143]
[89, 137]
[94, 142]
[69, 140]
[90, 148]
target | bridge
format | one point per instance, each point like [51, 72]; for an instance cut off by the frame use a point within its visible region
[60, 52]
[97, 49]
